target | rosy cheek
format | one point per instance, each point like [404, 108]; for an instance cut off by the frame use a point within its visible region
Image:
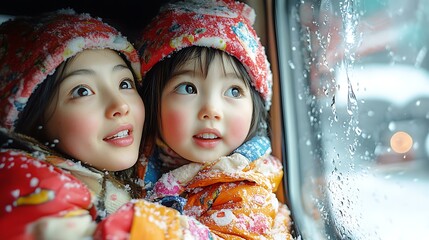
[75, 131]
[173, 126]
[84, 126]
[239, 128]
[80, 128]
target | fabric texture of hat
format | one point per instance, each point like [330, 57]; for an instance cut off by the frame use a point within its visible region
[219, 24]
[32, 48]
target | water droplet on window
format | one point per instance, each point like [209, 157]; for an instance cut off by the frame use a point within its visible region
[291, 65]
[392, 126]
[358, 131]
[352, 149]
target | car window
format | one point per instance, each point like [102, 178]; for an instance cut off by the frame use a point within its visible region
[4, 18]
[355, 100]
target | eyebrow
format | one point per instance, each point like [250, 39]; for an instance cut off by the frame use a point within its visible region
[91, 72]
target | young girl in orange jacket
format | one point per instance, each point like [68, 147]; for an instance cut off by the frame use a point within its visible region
[207, 88]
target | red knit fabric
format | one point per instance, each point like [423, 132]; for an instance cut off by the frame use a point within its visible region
[224, 25]
[30, 50]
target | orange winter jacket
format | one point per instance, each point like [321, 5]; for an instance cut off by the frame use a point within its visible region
[241, 204]
[233, 196]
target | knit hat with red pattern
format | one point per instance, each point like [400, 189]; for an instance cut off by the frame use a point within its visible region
[32, 48]
[219, 24]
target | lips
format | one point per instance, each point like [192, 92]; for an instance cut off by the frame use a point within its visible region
[121, 137]
[207, 138]
[120, 134]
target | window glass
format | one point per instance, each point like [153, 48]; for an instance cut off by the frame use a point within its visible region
[355, 96]
[4, 18]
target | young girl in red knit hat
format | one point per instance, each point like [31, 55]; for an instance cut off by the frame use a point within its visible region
[71, 123]
[207, 90]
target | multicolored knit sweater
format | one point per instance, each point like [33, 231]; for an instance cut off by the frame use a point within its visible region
[233, 196]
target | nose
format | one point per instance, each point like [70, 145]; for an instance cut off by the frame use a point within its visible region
[117, 107]
[210, 110]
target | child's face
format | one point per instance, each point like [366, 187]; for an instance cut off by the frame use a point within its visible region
[205, 118]
[97, 115]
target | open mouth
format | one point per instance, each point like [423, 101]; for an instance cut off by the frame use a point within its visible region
[207, 136]
[207, 140]
[121, 134]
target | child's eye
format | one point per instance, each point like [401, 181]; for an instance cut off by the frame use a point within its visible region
[234, 92]
[127, 84]
[81, 91]
[186, 88]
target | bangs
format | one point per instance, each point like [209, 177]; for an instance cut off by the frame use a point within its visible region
[202, 57]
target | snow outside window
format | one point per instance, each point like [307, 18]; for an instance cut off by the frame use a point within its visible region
[355, 95]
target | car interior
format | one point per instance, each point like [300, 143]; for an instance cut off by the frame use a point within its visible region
[350, 112]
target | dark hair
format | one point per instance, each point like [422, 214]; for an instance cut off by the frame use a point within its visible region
[32, 119]
[158, 77]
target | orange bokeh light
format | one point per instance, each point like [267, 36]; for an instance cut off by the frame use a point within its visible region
[401, 142]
